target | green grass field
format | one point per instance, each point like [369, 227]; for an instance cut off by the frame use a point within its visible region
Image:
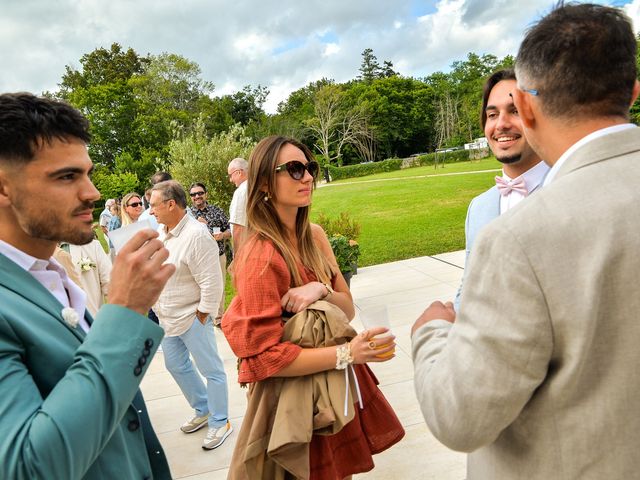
[406, 217]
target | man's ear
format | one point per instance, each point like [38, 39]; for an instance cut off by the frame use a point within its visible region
[526, 111]
[524, 104]
[635, 92]
[5, 188]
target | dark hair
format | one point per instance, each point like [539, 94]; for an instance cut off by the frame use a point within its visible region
[492, 81]
[160, 177]
[171, 190]
[28, 122]
[582, 61]
[198, 184]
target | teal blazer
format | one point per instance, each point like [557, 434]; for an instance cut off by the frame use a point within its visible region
[70, 407]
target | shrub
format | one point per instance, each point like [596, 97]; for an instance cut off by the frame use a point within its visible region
[346, 251]
[391, 164]
[364, 169]
[343, 225]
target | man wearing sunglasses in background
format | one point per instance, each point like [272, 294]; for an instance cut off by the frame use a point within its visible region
[214, 218]
[237, 172]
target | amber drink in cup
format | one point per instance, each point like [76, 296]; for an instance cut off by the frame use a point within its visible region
[377, 316]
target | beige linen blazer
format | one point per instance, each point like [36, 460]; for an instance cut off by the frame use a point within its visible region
[539, 378]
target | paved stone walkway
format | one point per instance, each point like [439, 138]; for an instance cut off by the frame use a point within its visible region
[406, 287]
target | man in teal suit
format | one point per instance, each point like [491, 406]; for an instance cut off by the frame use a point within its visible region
[70, 407]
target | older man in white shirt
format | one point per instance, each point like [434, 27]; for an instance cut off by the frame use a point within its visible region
[184, 308]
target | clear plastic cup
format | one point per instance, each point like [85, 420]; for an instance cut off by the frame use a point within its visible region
[377, 316]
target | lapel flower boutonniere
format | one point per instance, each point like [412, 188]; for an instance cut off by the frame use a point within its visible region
[70, 317]
[86, 264]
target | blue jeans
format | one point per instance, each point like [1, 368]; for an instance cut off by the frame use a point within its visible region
[200, 342]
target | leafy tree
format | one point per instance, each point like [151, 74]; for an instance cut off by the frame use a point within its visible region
[294, 113]
[102, 92]
[198, 157]
[101, 67]
[400, 112]
[115, 185]
[246, 106]
[132, 102]
[168, 92]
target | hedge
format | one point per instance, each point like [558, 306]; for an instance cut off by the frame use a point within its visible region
[391, 164]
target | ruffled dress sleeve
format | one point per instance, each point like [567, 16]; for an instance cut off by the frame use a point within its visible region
[253, 322]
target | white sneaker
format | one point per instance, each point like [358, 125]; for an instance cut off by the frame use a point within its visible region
[216, 436]
[195, 424]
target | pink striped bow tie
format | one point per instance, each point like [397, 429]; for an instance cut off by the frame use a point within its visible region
[515, 185]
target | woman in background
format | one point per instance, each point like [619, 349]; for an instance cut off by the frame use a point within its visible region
[285, 265]
[131, 208]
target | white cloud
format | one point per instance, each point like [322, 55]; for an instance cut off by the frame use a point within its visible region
[331, 49]
[633, 10]
[279, 44]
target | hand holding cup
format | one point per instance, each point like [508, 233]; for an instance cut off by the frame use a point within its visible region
[139, 273]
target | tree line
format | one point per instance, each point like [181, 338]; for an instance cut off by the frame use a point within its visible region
[154, 111]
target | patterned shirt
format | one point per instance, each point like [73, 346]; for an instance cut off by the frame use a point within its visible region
[215, 217]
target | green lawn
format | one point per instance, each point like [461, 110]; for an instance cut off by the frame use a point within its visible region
[408, 217]
[476, 165]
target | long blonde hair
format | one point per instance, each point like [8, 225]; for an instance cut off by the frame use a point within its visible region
[264, 222]
[124, 215]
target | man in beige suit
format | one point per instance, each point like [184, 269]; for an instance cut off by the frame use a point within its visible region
[538, 376]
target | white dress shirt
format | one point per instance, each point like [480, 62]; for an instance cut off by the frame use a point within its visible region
[583, 141]
[53, 277]
[197, 281]
[533, 179]
[238, 208]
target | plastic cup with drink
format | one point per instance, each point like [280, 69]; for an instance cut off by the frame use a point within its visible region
[377, 316]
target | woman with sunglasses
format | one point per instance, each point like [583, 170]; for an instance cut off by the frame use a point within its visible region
[131, 208]
[285, 265]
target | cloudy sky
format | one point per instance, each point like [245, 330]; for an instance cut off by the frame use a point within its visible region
[281, 44]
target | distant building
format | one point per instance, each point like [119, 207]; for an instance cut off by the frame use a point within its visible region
[477, 144]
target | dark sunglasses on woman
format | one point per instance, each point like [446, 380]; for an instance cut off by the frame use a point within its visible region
[296, 169]
[135, 204]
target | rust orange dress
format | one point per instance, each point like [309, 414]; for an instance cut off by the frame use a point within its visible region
[253, 326]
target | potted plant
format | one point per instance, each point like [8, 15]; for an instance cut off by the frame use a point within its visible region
[347, 252]
[343, 226]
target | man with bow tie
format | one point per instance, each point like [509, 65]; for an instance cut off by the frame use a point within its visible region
[523, 171]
